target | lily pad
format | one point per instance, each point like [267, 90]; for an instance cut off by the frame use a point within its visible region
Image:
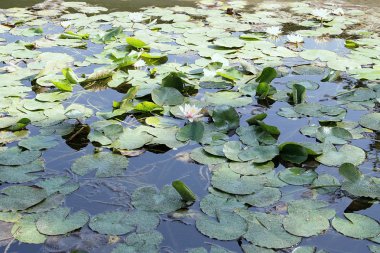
[356, 226]
[59, 221]
[150, 199]
[226, 226]
[121, 222]
[105, 164]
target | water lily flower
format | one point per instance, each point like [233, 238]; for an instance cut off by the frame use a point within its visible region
[320, 13]
[191, 112]
[295, 38]
[274, 31]
[136, 17]
[221, 59]
[139, 64]
[339, 12]
[209, 73]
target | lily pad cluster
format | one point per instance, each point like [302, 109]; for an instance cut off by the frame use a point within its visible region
[256, 96]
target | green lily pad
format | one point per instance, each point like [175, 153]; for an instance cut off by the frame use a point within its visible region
[59, 221]
[38, 142]
[167, 96]
[150, 199]
[121, 222]
[21, 173]
[265, 230]
[356, 225]
[211, 203]
[371, 121]
[25, 230]
[14, 198]
[105, 164]
[226, 180]
[297, 176]
[226, 226]
[346, 154]
[15, 156]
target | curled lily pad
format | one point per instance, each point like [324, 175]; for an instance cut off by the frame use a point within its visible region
[105, 164]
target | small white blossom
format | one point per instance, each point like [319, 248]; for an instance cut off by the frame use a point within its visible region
[339, 12]
[274, 31]
[208, 73]
[191, 112]
[221, 59]
[320, 13]
[136, 17]
[295, 38]
[139, 64]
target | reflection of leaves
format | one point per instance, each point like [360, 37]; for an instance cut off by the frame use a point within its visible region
[77, 139]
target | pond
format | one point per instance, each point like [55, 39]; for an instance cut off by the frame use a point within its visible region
[189, 126]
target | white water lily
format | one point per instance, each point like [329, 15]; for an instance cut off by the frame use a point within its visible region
[209, 73]
[274, 31]
[136, 17]
[339, 12]
[191, 112]
[221, 59]
[295, 38]
[320, 13]
[139, 64]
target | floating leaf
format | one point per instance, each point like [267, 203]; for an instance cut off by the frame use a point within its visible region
[60, 222]
[297, 176]
[105, 164]
[211, 203]
[22, 173]
[346, 154]
[121, 222]
[371, 121]
[150, 199]
[293, 152]
[191, 131]
[137, 43]
[38, 142]
[15, 156]
[167, 96]
[226, 226]
[25, 230]
[357, 226]
[265, 230]
[20, 197]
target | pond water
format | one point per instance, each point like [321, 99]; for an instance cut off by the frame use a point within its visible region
[281, 146]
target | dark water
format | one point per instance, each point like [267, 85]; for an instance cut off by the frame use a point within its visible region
[97, 196]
